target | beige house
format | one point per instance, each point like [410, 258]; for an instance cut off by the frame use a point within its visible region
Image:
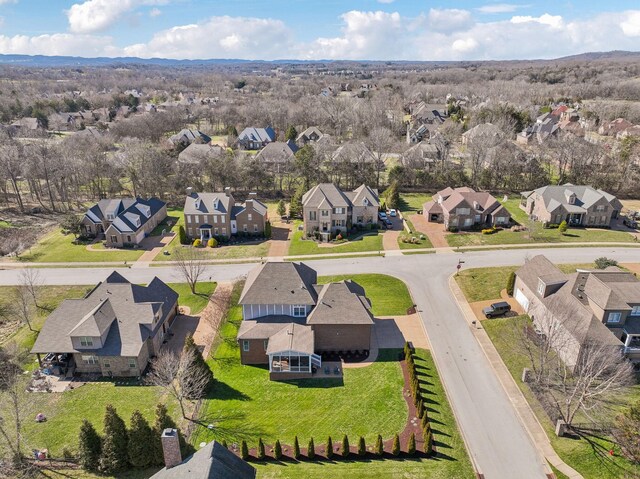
[327, 209]
[598, 306]
[577, 205]
[217, 215]
[112, 331]
[123, 222]
[464, 209]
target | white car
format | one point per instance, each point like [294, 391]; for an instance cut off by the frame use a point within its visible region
[393, 213]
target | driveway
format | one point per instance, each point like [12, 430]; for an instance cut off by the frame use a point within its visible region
[392, 332]
[280, 238]
[478, 306]
[434, 231]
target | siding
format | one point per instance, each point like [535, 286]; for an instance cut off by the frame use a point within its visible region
[347, 337]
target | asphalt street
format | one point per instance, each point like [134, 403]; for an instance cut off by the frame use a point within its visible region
[498, 442]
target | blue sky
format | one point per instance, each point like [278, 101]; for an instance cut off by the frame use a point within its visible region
[317, 29]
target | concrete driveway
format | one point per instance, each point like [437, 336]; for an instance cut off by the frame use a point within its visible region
[434, 231]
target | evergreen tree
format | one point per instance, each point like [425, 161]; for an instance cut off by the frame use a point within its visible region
[140, 441]
[428, 441]
[562, 227]
[395, 448]
[379, 449]
[277, 450]
[89, 447]
[114, 456]
[182, 235]
[411, 445]
[244, 450]
[261, 454]
[282, 208]
[362, 447]
[296, 448]
[291, 133]
[311, 449]
[392, 196]
[329, 448]
[425, 420]
[344, 448]
[198, 361]
[267, 229]
[295, 207]
[511, 281]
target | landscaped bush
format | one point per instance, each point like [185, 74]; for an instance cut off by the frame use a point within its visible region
[395, 448]
[140, 437]
[379, 449]
[182, 235]
[197, 243]
[489, 231]
[244, 450]
[511, 282]
[296, 448]
[311, 449]
[411, 445]
[428, 441]
[344, 448]
[562, 228]
[114, 456]
[212, 243]
[277, 450]
[89, 447]
[362, 447]
[329, 448]
[267, 229]
[261, 454]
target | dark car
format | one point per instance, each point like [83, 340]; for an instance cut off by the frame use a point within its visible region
[629, 222]
[388, 222]
[496, 309]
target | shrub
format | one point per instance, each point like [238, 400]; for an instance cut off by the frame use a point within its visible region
[114, 456]
[425, 420]
[282, 208]
[311, 450]
[407, 350]
[395, 448]
[277, 450]
[344, 448]
[511, 281]
[562, 228]
[489, 231]
[140, 441]
[267, 229]
[296, 448]
[261, 454]
[329, 448]
[428, 441]
[197, 243]
[89, 446]
[420, 408]
[411, 445]
[182, 235]
[339, 237]
[362, 447]
[379, 449]
[603, 262]
[244, 450]
[212, 243]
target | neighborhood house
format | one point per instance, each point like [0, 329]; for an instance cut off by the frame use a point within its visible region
[256, 138]
[582, 308]
[123, 222]
[289, 320]
[217, 215]
[464, 209]
[112, 331]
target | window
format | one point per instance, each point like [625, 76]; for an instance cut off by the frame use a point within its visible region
[266, 343]
[188, 218]
[215, 231]
[299, 310]
[128, 238]
[324, 213]
[603, 220]
[244, 228]
[312, 215]
[541, 287]
[114, 239]
[463, 211]
[601, 208]
[132, 363]
[635, 311]
[91, 360]
[109, 217]
[197, 219]
[106, 364]
[86, 341]
[224, 231]
[249, 217]
[338, 211]
[559, 219]
[359, 219]
[245, 345]
[215, 219]
[255, 228]
[614, 317]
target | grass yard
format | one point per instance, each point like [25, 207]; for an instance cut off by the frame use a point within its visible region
[591, 459]
[421, 243]
[80, 474]
[517, 214]
[195, 302]
[412, 202]
[235, 251]
[55, 247]
[389, 296]
[300, 247]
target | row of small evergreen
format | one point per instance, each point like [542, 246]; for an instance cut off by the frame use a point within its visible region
[418, 400]
[119, 448]
[329, 453]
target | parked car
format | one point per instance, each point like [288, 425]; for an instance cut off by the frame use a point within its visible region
[496, 309]
[631, 223]
[393, 213]
[382, 215]
[388, 222]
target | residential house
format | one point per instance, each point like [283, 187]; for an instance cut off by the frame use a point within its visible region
[577, 205]
[123, 222]
[217, 215]
[256, 138]
[310, 135]
[113, 331]
[421, 156]
[289, 320]
[631, 131]
[423, 113]
[353, 152]
[614, 127]
[198, 154]
[213, 461]
[327, 209]
[417, 134]
[27, 126]
[484, 132]
[582, 308]
[187, 136]
[278, 155]
[464, 209]
[546, 126]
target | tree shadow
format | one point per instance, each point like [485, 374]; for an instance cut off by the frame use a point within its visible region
[222, 391]
[324, 383]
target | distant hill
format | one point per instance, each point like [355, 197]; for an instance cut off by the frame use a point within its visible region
[613, 55]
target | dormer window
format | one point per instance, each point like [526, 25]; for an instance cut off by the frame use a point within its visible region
[614, 317]
[197, 203]
[541, 287]
[110, 216]
[635, 311]
[86, 341]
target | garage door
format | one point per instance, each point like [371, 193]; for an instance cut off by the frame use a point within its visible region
[522, 299]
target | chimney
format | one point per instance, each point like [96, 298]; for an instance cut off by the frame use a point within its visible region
[189, 191]
[253, 195]
[227, 191]
[171, 448]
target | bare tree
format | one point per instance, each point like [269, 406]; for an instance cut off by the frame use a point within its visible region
[23, 305]
[189, 266]
[31, 281]
[179, 378]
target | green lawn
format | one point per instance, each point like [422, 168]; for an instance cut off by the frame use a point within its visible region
[56, 247]
[412, 202]
[389, 296]
[591, 460]
[421, 243]
[368, 242]
[195, 302]
[517, 214]
[174, 217]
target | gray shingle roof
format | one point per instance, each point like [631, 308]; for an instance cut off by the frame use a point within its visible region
[330, 195]
[341, 303]
[208, 203]
[258, 134]
[586, 196]
[278, 152]
[293, 337]
[187, 135]
[280, 283]
[214, 461]
[196, 153]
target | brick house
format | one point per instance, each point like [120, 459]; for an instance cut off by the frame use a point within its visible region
[464, 209]
[112, 331]
[123, 222]
[209, 215]
[289, 320]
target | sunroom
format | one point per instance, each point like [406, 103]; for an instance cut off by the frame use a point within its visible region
[291, 352]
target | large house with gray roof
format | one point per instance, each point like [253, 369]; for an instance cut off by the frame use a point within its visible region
[112, 331]
[464, 209]
[252, 138]
[577, 205]
[217, 215]
[123, 222]
[289, 320]
[588, 306]
[327, 209]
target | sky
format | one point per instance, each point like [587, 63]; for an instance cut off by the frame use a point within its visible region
[319, 29]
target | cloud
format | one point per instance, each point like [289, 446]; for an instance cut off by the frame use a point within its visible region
[219, 37]
[386, 1]
[500, 8]
[94, 16]
[631, 26]
[449, 20]
[554, 21]
[4, 2]
[155, 12]
[58, 44]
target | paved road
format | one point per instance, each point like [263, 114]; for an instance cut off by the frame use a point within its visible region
[498, 442]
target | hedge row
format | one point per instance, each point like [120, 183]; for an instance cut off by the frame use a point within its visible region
[418, 400]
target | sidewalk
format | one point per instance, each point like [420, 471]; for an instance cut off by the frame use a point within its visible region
[536, 432]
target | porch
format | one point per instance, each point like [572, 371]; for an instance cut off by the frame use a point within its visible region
[205, 233]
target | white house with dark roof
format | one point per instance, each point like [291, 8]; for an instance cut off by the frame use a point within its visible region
[112, 331]
[123, 222]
